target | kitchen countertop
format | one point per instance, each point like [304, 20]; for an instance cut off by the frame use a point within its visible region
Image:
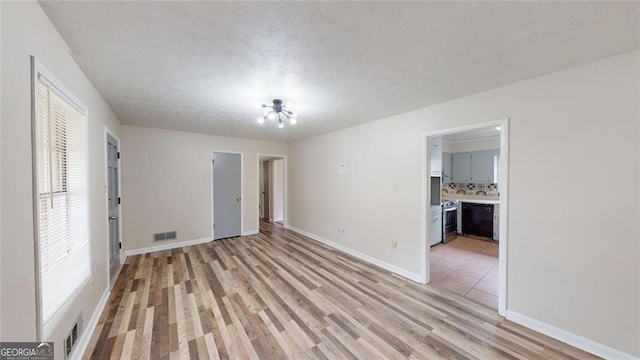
[478, 199]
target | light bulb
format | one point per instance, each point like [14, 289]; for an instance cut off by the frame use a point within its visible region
[281, 125]
[272, 115]
[260, 120]
[293, 121]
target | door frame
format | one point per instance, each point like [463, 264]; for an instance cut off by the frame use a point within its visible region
[265, 173]
[211, 153]
[503, 180]
[108, 132]
[284, 187]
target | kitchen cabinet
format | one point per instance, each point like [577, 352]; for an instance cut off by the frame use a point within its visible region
[435, 235]
[476, 166]
[446, 168]
[482, 166]
[436, 156]
[461, 167]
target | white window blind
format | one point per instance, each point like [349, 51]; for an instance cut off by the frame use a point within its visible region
[62, 201]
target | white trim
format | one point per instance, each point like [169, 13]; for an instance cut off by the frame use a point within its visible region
[503, 182]
[371, 260]
[503, 186]
[241, 186]
[173, 245]
[108, 131]
[568, 337]
[250, 232]
[58, 86]
[87, 332]
[284, 186]
[58, 316]
[425, 226]
[38, 69]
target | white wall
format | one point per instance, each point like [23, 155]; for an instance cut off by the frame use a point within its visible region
[1, 288]
[166, 182]
[26, 31]
[572, 261]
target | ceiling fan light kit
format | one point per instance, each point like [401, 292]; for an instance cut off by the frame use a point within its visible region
[278, 111]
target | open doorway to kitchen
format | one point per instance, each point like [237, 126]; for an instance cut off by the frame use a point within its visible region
[465, 211]
[271, 191]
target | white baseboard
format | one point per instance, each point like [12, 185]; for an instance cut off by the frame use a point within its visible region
[83, 342]
[250, 232]
[568, 337]
[385, 265]
[163, 247]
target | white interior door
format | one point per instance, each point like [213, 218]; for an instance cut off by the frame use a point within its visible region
[227, 200]
[113, 199]
[278, 189]
[266, 189]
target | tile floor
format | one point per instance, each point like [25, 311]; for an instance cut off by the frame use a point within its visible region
[468, 267]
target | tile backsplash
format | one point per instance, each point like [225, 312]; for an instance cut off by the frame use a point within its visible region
[481, 189]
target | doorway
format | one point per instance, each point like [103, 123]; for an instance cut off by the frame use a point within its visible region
[226, 175]
[467, 262]
[271, 190]
[113, 204]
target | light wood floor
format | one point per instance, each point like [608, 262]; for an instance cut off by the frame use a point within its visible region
[467, 266]
[279, 295]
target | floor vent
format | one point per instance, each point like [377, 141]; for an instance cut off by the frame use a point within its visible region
[169, 235]
[72, 338]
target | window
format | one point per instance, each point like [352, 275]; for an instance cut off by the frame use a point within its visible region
[61, 199]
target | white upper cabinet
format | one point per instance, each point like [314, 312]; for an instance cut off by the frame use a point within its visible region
[446, 168]
[436, 156]
[476, 166]
[461, 167]
[482, 166]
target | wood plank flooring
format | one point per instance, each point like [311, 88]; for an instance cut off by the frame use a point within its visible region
[280, 295]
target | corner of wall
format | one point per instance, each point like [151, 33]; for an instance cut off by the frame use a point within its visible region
[1, 117]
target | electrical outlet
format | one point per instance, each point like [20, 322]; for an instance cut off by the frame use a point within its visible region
[342, 231]
[395, 185]
[394, 244]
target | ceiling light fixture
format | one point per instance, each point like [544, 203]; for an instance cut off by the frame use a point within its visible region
[278, 111]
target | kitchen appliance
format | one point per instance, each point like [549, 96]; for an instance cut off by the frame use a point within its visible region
[477, 219]
[449, 220]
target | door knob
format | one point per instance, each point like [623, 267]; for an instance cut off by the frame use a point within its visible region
[112, 217]
[238, 199]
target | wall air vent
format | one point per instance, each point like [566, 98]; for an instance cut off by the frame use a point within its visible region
[72, 338]
[169, 235]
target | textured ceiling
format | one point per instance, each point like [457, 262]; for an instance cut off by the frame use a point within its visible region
[203, 66]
